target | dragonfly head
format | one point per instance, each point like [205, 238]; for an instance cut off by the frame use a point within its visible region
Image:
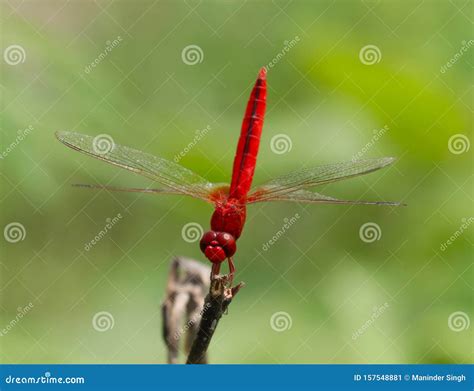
[217, 246]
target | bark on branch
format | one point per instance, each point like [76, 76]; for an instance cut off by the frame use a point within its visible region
[188, 311]
[188, 282]
[216, 303]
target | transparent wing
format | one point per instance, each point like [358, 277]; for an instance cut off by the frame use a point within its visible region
[126, 189]
[174, 177]
[305, 196]
[310, 177]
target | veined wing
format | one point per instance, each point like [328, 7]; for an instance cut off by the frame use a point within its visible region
[126, 189]
[282, 186]
[174, 177]
[306, 196]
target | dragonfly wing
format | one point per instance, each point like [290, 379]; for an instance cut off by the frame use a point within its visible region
[314, 176]
[126, 189]
[305, 196]
[174, 177]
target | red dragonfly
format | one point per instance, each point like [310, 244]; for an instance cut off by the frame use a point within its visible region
[230, 202]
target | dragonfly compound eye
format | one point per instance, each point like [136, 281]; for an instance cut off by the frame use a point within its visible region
[211, 247]
[217, 246]
[215, 254]
[227, 242]
[206, 239]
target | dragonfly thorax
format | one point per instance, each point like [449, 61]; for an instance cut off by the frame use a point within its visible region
[229, 217]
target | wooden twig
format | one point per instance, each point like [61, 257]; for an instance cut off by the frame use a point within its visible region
[215, 305]
[188, 282]
[188, 311]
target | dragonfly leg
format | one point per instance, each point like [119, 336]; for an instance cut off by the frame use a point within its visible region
[216, 267]
[231, 270]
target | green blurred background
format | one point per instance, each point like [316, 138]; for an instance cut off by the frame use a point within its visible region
[323, 95]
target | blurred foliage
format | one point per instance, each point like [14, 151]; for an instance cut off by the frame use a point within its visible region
[320, 94]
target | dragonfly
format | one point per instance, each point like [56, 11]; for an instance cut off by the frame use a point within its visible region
[229, 201]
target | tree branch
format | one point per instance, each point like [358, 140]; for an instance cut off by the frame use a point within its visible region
[188, 311]
[188, 281]
[215, 305]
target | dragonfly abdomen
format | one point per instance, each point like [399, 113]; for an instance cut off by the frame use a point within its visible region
[247, 147]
